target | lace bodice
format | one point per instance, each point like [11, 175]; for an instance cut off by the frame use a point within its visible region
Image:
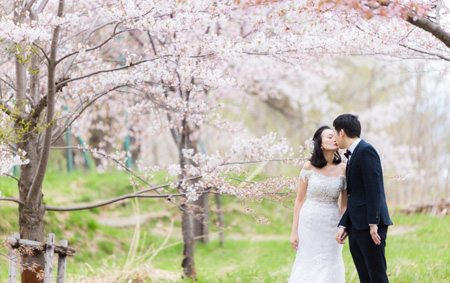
[323, 188]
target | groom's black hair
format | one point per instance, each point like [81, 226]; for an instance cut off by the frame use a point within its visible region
[349, 123]
[317, 159]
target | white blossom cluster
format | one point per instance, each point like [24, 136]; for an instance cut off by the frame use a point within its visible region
[10, 159]
[222, 172]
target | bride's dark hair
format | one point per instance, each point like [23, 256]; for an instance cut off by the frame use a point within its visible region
[317, 159]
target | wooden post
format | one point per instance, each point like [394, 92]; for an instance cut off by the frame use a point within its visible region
[61, 263]
[49, 253]
[13, 258]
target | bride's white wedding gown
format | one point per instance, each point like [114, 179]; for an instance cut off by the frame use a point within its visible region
[319, 256]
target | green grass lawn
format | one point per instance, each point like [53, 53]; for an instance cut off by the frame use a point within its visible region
[417, 247]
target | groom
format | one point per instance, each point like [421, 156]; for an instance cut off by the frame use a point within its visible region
[366, 219]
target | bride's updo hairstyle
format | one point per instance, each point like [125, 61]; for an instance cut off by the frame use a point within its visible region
[317, 159]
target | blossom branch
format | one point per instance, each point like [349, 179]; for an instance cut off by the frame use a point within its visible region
[430, 27]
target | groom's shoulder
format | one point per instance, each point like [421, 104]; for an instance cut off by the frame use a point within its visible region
[367, 147]
[364, 144]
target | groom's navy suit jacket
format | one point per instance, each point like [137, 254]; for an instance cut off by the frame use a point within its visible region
[366, 199]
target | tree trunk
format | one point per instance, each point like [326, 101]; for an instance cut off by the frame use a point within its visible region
[220, 218]
[31, 215]
[201, 219]
[32, 209]
[188, 263]
[187, 221]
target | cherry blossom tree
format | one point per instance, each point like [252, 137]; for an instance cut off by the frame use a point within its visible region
[62, 52]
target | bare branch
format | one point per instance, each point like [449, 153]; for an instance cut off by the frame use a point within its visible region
[93, 48]
[12, 177]
[425, 52]
[90, 206]
[13, 200]
[70, 122]
[282, 110]
[107, 71]
[153, 43]
[43, 52]
[260, 161]
[42, 6]
[83, 31]
[10, 85]
[123, 166]
[28, 5]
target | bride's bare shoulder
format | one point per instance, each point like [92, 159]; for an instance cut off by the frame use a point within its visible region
[307, 166]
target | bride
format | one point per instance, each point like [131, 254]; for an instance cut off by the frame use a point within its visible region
[322, 180]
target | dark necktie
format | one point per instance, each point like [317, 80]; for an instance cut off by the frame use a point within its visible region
[347, 154]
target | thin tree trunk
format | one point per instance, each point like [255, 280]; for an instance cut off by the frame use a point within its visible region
[188, 263]
[220, 218]
[187, 225]
[201, 212]
[201, 206]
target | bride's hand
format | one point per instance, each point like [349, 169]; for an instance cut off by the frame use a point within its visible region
[341, 235]
[294, 241]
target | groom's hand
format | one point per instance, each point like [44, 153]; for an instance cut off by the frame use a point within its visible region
[341, 235]
[374, 234]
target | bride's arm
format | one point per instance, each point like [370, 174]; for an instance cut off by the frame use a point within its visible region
[299, 200]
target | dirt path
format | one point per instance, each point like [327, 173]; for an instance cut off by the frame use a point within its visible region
[130, 221]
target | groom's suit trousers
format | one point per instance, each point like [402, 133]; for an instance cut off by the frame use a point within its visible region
[368, 257]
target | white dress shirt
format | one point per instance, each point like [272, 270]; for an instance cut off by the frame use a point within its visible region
[352, 147]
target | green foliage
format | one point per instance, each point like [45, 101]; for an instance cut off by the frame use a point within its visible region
[106, 246]
[22, 52]
[81, 219]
